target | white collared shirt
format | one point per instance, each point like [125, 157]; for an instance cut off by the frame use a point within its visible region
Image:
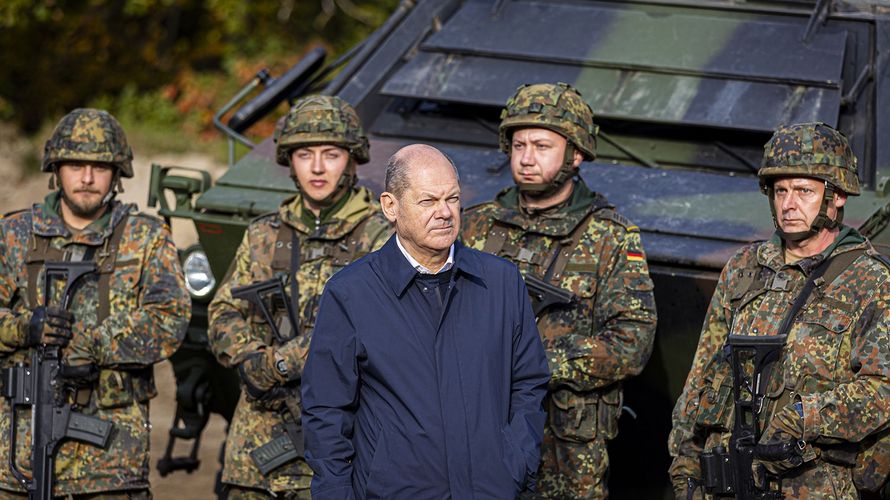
[449, 263]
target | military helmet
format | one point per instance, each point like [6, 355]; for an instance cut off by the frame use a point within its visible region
[810, 150]
[320, 119]
[87, 134]
[558, 107]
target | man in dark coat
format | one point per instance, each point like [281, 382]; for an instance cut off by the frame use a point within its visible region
[425, 374]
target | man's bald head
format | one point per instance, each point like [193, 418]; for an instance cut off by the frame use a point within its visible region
[400, 164]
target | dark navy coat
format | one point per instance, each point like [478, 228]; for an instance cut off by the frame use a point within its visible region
[397, 408]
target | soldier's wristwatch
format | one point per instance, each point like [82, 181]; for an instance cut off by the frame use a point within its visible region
[280, 365]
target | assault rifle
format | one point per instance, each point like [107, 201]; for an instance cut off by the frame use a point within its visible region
[266, 297]
[544, 294]
[39, 386]
[728, 473]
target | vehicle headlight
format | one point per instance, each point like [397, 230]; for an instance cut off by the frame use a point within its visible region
[199, 278]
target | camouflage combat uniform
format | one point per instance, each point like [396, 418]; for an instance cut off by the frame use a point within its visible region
[836, 359]
[130, 314]
[591, 346]
[582, 246]
[350, 228]
[148, 314]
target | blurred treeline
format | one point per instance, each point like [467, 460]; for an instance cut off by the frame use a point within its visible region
[160, 63]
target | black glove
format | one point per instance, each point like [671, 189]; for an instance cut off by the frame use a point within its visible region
[260, 375]
[79, 376]
[49, 326]
[777, 456]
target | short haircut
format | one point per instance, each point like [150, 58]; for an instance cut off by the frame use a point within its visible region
[396, 180]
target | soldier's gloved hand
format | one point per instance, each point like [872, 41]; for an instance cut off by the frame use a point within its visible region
[778, 455]
[49, 326]
[262, 371]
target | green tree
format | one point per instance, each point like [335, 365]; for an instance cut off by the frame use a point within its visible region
[60, 54]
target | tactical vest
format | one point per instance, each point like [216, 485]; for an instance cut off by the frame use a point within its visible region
[577, 417]
[289, 253]
[869, 459]
[555, 263]
[115, 387]
[41, 252]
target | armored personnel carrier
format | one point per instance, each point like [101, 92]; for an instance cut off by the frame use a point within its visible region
[685, 94]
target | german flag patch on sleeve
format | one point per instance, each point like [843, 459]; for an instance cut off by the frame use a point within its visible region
[634, 256]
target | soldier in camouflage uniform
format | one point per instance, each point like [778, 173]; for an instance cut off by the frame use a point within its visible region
[129, 315]
[562, 235]
[830, 389]
[330, 223]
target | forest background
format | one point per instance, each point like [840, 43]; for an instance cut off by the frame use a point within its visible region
[162, 67]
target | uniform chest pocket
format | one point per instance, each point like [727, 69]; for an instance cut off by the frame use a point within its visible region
[831, 319]
[820, 338]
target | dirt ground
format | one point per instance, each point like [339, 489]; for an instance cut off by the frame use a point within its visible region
[18, 191]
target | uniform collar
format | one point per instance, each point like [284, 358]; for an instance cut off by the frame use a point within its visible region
[555, 221]
[47, 221]
[398, 272]
[335, 223]
[771, 254]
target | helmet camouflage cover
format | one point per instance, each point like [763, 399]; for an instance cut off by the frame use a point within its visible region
[320, 119]
[810, 150]
[87, 134]
[558, 107]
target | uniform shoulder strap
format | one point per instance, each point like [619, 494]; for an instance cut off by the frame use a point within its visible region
[105, 261]
[840, 263]
[347, 251]
[599, 207]
[39, 251]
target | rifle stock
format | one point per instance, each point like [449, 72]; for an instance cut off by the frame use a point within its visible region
[729, 472]
[544, 294]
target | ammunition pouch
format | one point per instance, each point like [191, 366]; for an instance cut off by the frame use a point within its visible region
[287, 441]
[582, 417]
[715, 405]
[117, 388]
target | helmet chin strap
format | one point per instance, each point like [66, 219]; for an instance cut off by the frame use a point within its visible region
[566, 173]
[820, 222]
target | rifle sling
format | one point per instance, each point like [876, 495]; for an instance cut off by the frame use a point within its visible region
[294, 274]
[41, 252]
[829, 270]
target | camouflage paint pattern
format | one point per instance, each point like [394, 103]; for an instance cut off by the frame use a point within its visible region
[320, 119]
[592, 346]
[87, 134]
[149, 313]
[810, 150]
[835, 361]
[235, 333]
[558, 107]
